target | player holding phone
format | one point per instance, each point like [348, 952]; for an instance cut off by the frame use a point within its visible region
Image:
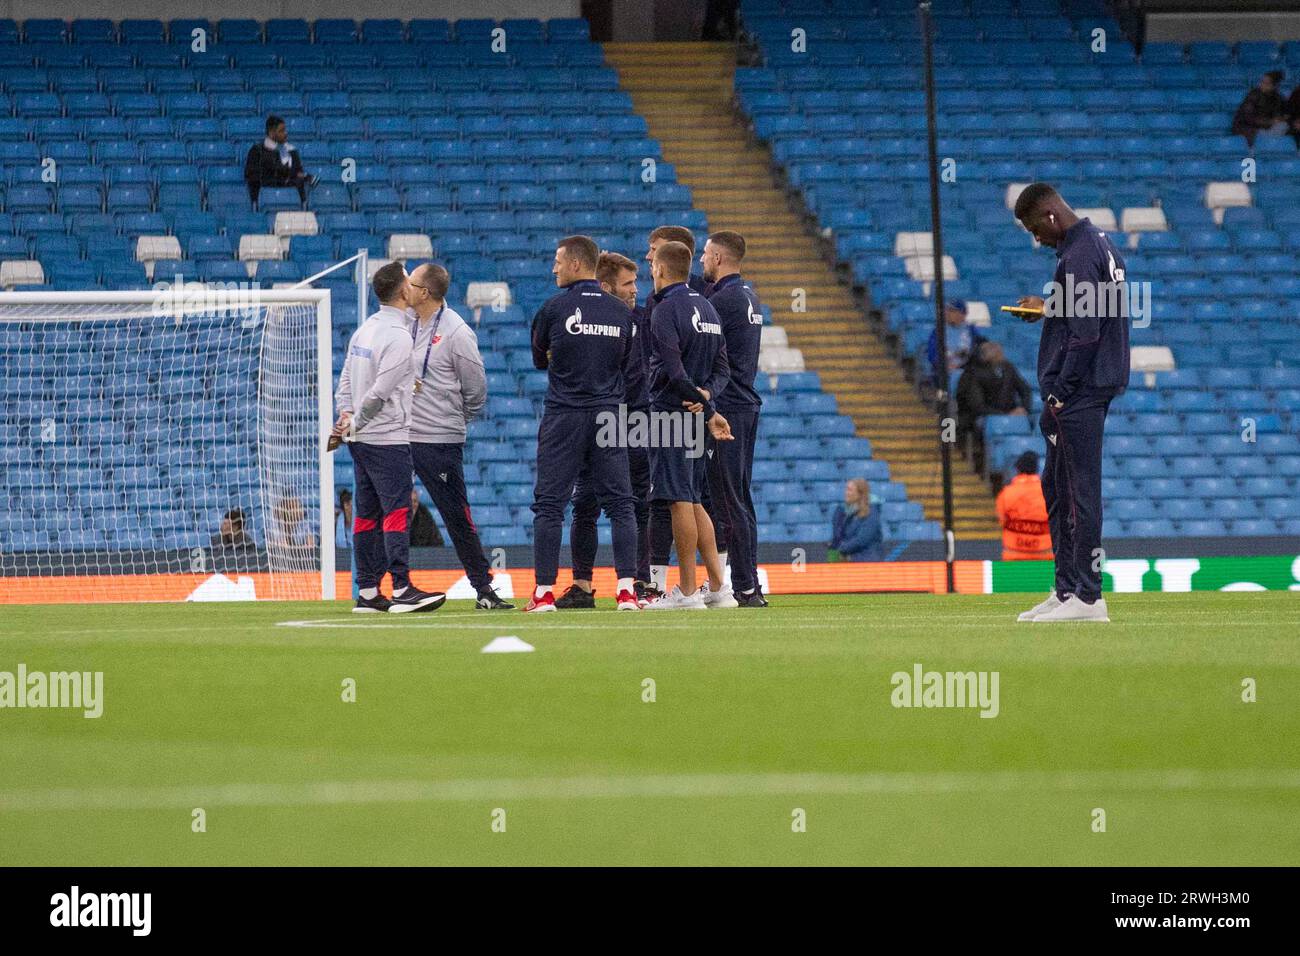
[1083, 364]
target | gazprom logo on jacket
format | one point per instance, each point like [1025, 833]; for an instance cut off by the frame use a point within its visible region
[755, 318]
[575, 326]
[701, 326]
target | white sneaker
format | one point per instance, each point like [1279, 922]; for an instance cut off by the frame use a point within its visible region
[719, 599]
[675, 600]
[1072, 609]
[1051, 604]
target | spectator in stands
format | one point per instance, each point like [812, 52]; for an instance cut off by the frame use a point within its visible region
[989, 385]
[856, 532]
[962, 340]
[1022, 512]
[274, 162]
[720, 20]
[289, 527]
[232, 534]
[424, 532]
[1261, 108]
[1293, 115]
[343, 520]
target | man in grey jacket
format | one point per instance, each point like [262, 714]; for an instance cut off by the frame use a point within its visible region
[450, 389]
[374, 402]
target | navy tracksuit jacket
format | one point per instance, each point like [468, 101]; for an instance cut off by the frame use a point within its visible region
[582, 338]
[731, 463]
[687, 353]
[1083, 362]
[583, 540]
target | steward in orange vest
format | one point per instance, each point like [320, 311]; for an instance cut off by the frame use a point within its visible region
[1022, 512]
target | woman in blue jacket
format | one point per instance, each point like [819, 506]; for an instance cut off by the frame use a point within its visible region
[855, 526]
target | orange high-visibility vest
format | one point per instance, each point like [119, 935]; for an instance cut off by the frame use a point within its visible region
[1023, 515]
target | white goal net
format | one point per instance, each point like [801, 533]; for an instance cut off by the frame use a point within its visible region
[165, 445]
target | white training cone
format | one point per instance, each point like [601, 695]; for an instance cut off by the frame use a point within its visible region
[507, 645]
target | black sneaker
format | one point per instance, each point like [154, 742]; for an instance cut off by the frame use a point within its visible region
[576, 597]
[375, 605]
[413, 599]
[753, 599]
[647, 593]
[489, 600]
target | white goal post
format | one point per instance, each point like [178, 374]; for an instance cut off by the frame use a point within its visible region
[166, 444]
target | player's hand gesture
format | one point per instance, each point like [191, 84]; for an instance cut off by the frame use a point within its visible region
[720, 428]
[342, 425]
[1031, 302]
[693, 407]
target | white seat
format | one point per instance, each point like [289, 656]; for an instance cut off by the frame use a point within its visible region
[773, 335]
[1102, 217]
[1149, 359]
[15, 272]
[778, 359]
[909, 244]
[491, 294]
[1220, 196]
[373, 265]
[295, 224]
[977, 313]
[410, 246]
[921, 268]
[257, 248]
[1142, 219]
[155, 248]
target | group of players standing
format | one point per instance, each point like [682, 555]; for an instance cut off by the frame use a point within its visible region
[690, 351]
[688, 356]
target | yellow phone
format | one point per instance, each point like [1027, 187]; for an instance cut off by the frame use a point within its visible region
[1023, 311]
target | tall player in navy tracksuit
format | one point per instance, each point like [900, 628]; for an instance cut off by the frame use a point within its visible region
[731, 464]
[661, 527]
[688, 369]
[582, 338]
[1083, 364]
[617, 276]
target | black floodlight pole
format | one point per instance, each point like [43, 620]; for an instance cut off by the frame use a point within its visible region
[943, 402]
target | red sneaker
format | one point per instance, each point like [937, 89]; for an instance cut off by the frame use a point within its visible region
[627, 601]
[544, 603]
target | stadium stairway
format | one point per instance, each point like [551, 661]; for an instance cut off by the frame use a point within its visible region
[684, 91]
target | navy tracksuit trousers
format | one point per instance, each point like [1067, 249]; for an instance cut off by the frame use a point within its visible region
[566, 443]
[730, 479]
[381, 534]
[1072, 490]
[441, 468]
[583, 540]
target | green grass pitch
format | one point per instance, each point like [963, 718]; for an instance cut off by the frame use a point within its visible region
[756, 715]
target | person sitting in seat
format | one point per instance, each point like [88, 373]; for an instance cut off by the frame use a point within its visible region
[1260, 109]
[856, 532]
[990, 385]
[274, 162]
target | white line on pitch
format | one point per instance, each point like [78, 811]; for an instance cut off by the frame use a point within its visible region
[638, 786]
